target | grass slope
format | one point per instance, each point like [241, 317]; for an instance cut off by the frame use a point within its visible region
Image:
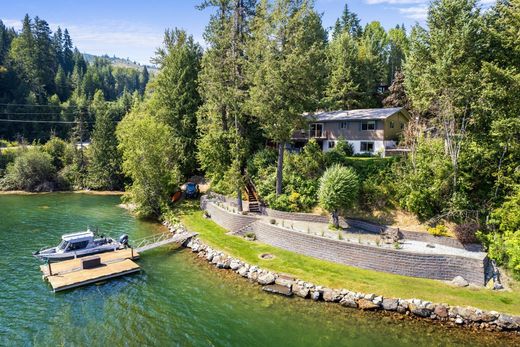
[341, 276]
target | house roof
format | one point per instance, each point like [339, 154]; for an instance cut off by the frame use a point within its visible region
[362, 114]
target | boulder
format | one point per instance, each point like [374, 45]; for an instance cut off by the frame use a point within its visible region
[419, 311]
[505, 321]
[378, 300]
[366, 305]
[234, 264]
[315, 295]
[266, 278]
[285, 280]
[459, 281]
[300, 290]
[390, 304]
[277, 289]
[331, 295]
[441, 311]
[243, 270]
[348, 301]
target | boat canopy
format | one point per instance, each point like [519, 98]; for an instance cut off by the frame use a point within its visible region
[78, 237]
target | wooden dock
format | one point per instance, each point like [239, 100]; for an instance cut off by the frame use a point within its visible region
[71, 273]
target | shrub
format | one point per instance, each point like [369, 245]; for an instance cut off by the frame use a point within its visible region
[338, 190]
[466, 232]
[250, 236]
[439, 230]
[31, 171]
[272, 221]
[56, 147]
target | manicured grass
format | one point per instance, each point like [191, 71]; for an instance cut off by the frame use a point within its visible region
[340, 276]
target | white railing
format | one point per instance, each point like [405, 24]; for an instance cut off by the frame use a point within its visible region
[148, 240]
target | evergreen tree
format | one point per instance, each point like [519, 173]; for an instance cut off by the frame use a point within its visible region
[44, 52]
[175, 99]
[57, 44]
[348, 22]
[69, 60]
[398, 47]
[397, 96]
[342, 91]
[287, 51]
[144, 77]
[104, 169]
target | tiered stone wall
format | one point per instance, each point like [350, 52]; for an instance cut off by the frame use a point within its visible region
[442, 267]
[434, 266]
[231, 221]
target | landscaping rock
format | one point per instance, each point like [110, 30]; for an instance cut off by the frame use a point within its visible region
[390, 304]
[284, 280]
[419, 311]
[378, 300]
[266, 278]
[330, 295]
[277, 289]
[243, 271]
[315, 295]
[300, 290]
[234, 264]
[348, 301]
[459, 281]
[367, 305]
[441, 311]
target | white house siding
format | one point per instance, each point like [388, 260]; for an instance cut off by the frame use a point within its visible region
[379, 145]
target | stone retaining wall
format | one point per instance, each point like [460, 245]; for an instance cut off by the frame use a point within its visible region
[433, 266]
[231, 221]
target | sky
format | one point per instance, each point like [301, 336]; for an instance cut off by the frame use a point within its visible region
[134, 29]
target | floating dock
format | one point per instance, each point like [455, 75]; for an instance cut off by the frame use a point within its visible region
[72, 273]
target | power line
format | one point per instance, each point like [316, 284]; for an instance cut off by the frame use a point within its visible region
[46, 113]
[36, 105]
[41, 121]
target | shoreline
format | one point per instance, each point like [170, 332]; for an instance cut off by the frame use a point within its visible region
[288, 285]
[80, 191]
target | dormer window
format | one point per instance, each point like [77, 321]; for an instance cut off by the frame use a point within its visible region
[368, 125]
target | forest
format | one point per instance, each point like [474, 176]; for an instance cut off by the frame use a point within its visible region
[228, 111]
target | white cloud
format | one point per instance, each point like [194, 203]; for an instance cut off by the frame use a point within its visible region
[14, 23]
[416, 12]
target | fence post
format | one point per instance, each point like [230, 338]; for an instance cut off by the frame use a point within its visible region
[50, 269]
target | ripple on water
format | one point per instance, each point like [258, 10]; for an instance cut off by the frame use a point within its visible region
[177, 299]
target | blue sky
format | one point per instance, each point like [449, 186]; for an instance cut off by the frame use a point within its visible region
[133, 29]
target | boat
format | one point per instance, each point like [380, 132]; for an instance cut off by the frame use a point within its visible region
[81, 244]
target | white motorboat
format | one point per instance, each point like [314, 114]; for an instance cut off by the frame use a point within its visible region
[81, 244]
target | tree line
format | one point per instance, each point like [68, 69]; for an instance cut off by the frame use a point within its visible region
[43, 77]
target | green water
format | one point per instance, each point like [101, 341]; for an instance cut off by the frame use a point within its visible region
[176, 300]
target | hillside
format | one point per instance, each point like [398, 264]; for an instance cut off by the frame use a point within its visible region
[120, 62]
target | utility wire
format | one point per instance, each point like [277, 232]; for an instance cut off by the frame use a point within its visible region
[35, 105]
[41, 121]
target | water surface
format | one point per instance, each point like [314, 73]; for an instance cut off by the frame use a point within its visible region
[176, 300]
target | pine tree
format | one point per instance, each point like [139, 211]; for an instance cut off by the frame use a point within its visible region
[287, 55]
[62, 85]
[69, 59]
[397, 96]
[348, 22]
[398, 47]
[46, 60]
[104, 169]
[144, 77]
[342, 90]
[175, 99]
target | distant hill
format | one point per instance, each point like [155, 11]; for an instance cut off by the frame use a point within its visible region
[120, 62]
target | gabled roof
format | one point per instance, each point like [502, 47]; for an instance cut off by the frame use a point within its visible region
[362, 114]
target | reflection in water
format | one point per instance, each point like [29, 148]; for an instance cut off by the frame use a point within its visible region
[176, 299]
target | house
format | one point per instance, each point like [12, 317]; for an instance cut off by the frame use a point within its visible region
[375, 130]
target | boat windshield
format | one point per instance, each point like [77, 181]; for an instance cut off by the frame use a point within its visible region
[63, 244]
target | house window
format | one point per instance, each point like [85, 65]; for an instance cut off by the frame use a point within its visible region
[332, 144]
[367, 147]
[368, 125]
[392, 125]
[316, 130]
[402, 126]
[343, 125]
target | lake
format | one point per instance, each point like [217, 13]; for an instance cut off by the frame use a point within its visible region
[177, 299]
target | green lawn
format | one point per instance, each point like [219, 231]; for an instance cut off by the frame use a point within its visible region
[340, 276]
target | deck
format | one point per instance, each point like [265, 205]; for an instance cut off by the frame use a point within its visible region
[70, 273]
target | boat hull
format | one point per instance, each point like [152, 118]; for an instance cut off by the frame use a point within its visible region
[49, 255]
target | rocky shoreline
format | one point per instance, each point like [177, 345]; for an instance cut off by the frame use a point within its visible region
[289, 286]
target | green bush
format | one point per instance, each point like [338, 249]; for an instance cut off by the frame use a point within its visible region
[338, 190]
[31, 171]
